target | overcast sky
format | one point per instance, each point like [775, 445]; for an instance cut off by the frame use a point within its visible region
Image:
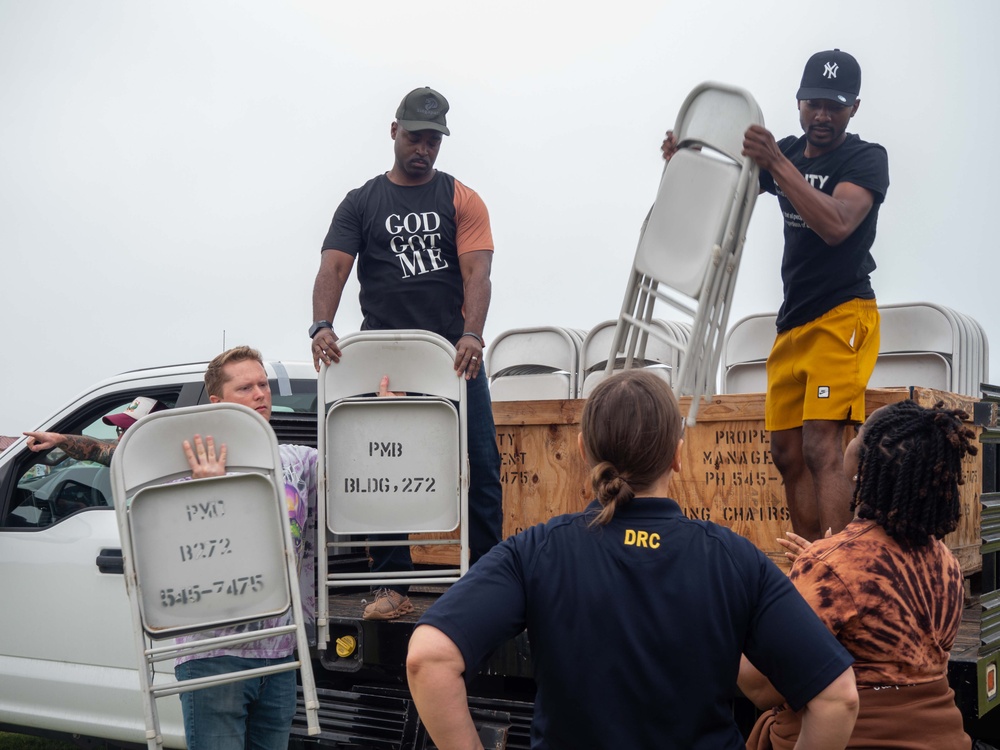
[168, 170]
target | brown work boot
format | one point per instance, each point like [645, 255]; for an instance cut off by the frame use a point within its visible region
[388, 605]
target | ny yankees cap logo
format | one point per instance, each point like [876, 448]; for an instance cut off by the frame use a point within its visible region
[831, 74]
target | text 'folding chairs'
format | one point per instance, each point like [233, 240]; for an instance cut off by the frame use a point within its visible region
[393, 466]
[203, 554]
[691, 242]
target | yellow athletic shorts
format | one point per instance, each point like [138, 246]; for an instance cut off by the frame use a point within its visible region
[820, 370]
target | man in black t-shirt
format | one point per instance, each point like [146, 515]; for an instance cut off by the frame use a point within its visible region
[830, 185]
[424, 248]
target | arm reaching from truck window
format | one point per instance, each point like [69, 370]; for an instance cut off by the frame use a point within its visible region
[80, 447]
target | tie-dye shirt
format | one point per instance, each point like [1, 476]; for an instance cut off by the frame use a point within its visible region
[298, 464]
[897, 610]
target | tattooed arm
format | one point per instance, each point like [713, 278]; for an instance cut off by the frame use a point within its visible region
[79, 447]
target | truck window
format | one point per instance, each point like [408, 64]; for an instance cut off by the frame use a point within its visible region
[49, 489]
[293, 396]
[51, 486]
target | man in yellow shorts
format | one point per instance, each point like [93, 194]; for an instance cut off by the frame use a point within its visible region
[830, 185]
[816, 378]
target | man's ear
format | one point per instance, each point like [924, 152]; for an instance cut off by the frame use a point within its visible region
[214, 399]
[854, 109]
[393, 129]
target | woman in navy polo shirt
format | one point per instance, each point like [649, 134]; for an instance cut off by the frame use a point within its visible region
[636, 615]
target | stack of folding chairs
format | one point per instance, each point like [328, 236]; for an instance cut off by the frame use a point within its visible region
[921, 344]
[527, 364]
[690, 245]
[659, 357]
[391, 466]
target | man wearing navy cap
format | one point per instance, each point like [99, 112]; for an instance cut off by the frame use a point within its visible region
[830, 185]
[424, 249]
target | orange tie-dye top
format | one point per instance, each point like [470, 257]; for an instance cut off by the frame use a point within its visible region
[896, 610]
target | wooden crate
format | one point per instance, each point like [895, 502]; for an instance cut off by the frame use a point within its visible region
[541, 470]
[728, 476]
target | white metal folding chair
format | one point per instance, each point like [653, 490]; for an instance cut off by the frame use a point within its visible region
[917, 347]
[744, 354]
[690, 245]
[977, 361]
[984, 356]
[203, 554]
[659, 355]
[948, 348]
[535, 363]
[392, 465]
[926, 369]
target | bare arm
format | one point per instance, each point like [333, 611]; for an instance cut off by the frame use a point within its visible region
[755, 686]
[79, 447]
[833, 217]
[434, 669]
[475, 267]
[334, 270]
[828, 719]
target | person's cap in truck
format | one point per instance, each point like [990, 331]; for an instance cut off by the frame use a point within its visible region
[140, 407]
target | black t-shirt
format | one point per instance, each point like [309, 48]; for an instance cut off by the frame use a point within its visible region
[407, 241]
[817, 277]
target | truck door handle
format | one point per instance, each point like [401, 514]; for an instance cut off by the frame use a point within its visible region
[110, 561]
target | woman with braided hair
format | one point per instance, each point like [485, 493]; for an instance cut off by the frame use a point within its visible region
[887, 586]
[909, 469]
[636, 615]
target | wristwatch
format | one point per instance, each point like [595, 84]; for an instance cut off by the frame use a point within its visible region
[318, 326]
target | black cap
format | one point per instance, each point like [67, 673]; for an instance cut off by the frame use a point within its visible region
[423, 109]
[831, 75]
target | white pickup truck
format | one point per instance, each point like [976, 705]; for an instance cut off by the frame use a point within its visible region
[67, 661]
